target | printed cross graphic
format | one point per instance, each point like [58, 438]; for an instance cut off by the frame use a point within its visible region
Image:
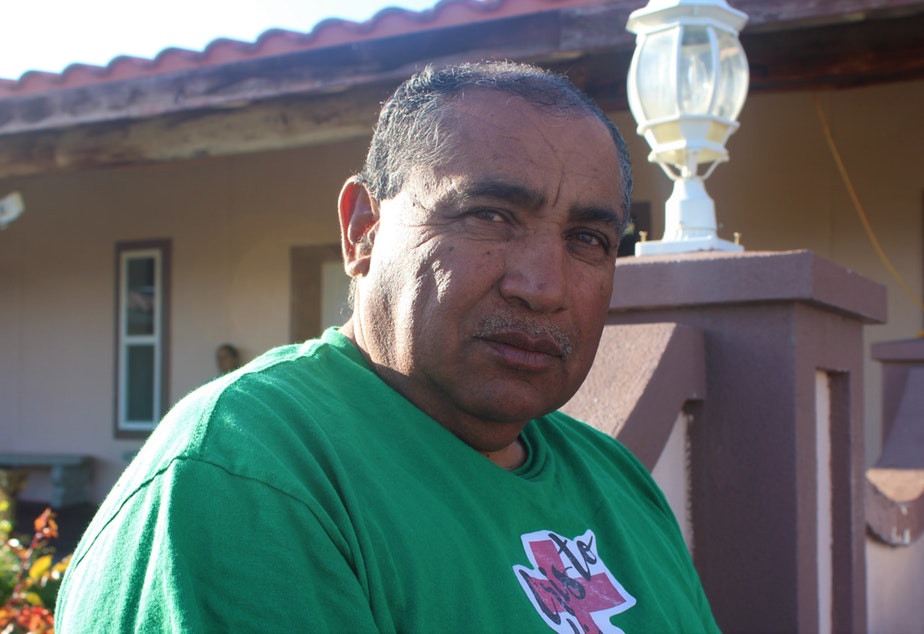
[569, 586]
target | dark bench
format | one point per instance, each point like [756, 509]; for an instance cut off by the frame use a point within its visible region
[70, 474]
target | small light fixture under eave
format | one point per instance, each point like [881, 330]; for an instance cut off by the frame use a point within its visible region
[687, 84]
[11, 207]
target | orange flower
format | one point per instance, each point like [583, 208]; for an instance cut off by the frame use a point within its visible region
[46, 525]
[24, 612]
[31, 619]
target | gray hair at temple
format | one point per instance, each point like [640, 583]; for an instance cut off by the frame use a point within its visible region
[408, 131]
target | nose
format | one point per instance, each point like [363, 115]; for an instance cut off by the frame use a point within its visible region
[536, 274]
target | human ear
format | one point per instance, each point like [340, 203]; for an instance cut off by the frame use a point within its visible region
[359, 217]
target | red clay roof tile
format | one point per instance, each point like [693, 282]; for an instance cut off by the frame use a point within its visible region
[389, 22]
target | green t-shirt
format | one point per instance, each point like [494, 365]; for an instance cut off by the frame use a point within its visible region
[302, 494]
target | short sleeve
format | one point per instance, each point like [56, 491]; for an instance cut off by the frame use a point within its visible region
[199, 549]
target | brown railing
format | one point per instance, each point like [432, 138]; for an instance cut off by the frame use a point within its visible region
[895, 493]
[895, 485]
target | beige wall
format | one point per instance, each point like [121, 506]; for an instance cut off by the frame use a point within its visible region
[895, 587]
[232, 221]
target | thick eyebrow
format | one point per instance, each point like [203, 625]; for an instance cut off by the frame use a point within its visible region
[501, 190]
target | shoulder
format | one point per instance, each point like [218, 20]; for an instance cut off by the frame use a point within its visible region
[248, 423]
[582, 449]
[260, 425]
[559, 429]
[291, 380]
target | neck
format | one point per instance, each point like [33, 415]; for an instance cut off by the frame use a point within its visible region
[483, 436]
[510, 457]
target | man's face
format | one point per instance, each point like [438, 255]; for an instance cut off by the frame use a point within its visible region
[490, 273]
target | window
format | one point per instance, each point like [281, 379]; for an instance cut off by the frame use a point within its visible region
[319, 290]
[142, 325]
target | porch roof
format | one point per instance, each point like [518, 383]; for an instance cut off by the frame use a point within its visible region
[288, 89]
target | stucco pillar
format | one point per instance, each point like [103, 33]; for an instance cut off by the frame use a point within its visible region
[776, 550]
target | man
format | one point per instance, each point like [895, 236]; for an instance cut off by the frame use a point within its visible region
[408, 472]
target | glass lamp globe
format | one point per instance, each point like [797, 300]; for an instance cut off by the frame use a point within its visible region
[687, 84]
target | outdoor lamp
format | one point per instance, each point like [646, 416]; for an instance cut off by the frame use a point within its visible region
[687, 83]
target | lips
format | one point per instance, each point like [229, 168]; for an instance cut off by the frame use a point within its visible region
[523, 344]
[524, 352]
[542, 344]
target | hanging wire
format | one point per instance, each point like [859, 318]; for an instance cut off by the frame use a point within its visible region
[859, 207]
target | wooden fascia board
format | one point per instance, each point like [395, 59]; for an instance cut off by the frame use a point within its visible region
[785, 14]
[265, 126]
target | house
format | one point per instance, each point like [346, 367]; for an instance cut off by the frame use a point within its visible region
[178, 203]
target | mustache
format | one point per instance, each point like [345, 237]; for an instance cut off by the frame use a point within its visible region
[493, 325]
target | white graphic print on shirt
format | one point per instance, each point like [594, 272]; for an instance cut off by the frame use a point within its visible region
[570, 587]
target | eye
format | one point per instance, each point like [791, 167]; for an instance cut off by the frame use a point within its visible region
[488, 223]
[484, 213]
[586, 238]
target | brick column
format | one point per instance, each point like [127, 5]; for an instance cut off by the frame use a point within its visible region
[776, 327]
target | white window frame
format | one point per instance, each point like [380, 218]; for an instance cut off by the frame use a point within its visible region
[159, 251]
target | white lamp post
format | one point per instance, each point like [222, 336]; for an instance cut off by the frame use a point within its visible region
[687, 83]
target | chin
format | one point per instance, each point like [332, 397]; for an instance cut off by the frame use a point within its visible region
[542, 399]
[516, 410]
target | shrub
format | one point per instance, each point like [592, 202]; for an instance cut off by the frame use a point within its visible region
[29, 579]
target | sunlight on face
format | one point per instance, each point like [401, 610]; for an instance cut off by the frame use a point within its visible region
[490, 277]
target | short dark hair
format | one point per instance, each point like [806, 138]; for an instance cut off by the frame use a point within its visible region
[232, 350]
[406, 134]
